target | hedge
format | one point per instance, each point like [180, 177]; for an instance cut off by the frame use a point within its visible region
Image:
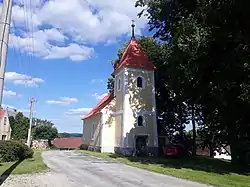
[13, 151]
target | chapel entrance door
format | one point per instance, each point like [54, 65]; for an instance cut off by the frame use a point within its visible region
[141, 145]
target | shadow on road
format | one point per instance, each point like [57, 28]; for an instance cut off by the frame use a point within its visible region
[8, 171]
[195, 163]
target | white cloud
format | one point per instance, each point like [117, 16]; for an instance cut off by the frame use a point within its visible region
[73, 51]
[78, 111]
[22, 79]
[42, 46]
[9, 93]
[73, 26]
[63, 101]
[20, 15]
[99, 96]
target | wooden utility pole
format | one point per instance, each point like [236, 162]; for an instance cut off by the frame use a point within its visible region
[32, 101]
[4, 40]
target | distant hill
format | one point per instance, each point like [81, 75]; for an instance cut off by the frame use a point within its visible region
[67, 135]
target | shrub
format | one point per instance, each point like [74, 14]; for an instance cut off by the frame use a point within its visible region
[13, 150]
[84, 147]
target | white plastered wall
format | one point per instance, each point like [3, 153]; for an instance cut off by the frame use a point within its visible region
[108, 128]
[129, 120]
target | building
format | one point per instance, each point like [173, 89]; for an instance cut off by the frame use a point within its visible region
[5, 129]
[67, 143]
[125, 121]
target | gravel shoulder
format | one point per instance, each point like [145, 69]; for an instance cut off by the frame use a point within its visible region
[46, 179]
[71, 169]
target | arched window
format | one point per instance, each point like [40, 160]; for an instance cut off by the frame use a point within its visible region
[93, 131]
[139, 82]
[118, 84]
[140, 121]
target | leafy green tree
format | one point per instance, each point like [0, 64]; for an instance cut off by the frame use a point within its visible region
[42, 122]
[43, 130]
[209, 42]
[64, 135]
[12, 123]
[47, 132]
[19, 126]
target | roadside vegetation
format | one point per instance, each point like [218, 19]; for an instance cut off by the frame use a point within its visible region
[201, 50]
[18, 158]
[205, 170]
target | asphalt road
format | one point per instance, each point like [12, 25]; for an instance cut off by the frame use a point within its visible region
[86, 171]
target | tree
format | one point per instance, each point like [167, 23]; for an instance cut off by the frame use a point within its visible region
[47, 132]
[12, 123]
[64, 135]
[42, 122]
[209, 42]
[19, 126]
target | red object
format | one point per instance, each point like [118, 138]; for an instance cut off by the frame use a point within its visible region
[174, 150]
[134, 57]
[2, 112]
[97, 109]
[67, 142]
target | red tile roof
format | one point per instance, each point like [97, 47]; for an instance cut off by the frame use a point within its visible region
[67, 142]
[135, 57]
[97, 109]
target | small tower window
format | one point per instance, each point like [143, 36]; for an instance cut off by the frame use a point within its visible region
[139, 82]
[118, 84]
[140, 121]
[5, 120]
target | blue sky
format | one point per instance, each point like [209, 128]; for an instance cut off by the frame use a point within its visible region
[60, 53]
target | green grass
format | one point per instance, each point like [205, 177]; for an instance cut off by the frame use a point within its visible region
[200, 169]
[31, 165]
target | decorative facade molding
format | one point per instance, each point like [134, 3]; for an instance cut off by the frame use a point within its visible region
[154, 112]
[124, 140]
[139, 70]
[118, 76]
[118, 84]
[140, 112]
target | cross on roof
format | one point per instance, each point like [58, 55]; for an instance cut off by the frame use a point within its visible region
[133, 29]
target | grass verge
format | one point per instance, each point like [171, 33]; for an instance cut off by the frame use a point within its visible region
[200, 169]
[31, 165]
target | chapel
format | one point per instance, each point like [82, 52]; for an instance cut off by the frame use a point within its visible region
[124, 121]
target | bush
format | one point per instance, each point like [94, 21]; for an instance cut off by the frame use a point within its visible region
[84, 147]
[13, 150]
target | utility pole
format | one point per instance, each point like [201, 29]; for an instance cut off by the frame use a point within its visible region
[4, 40]
[32, 101]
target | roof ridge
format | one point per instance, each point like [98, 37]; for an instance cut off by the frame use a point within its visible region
[105, 100]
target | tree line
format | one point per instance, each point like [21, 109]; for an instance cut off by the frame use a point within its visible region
[201, 51]
[41, 129]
